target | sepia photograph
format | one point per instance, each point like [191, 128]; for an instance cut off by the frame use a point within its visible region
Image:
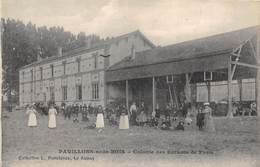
[114, 83]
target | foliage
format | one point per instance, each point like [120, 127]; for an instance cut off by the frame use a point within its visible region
[22, 42]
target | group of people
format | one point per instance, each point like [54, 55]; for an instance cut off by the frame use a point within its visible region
[74, 110]
[166, 117]
[204, 118]
[239, 109]
[32, 120]
[163, 118]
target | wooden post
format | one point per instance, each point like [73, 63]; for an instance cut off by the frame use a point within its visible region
[229, 87]
[187, 88]
[106, 93]
[126, 94]
[239, 82]
[209, 91]
[154, 94]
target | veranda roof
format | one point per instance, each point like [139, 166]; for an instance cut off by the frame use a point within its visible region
[205, 54]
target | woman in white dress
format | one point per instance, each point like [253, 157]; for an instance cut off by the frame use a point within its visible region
[52, 117]
[100, 118]
[32, 120]
[124, 121]
[209, 123]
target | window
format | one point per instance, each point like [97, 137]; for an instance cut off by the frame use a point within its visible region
[52, 94]
[78, 64]
[64, 67]
[79, 92]
[52, 71]
[31, 75]
[95, 91]
[95, 56]
[169, 79]
[95, 61]
[22, 88]
[23, 75]
[207, 76]
[41, 73]
[64, 92]
[31, 87]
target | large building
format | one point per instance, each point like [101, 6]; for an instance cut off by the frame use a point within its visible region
[77, 76]
[219, 68]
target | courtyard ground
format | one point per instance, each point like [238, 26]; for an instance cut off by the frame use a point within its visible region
[235, 140]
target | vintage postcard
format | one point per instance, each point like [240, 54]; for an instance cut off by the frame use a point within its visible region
[130, 83]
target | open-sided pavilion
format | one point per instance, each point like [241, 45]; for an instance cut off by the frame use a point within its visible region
[148, 75]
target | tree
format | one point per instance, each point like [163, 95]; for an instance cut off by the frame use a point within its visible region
[22, 42]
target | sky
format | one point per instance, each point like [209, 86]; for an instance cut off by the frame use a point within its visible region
[164, 22]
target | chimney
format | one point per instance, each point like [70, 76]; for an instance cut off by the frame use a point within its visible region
[132, 52]
[59, 51]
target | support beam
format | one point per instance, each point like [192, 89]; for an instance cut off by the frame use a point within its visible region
[126, 94]
[258, 73]
[154, 94]
[245, 64]
[175, 97]
[170, 91]
[233, 71]
[253, 50]
[209, 91]
[187, 89]
[106, 94]
[229, 88]
[239, 82]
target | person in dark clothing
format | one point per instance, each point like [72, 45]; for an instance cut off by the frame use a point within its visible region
[63, 109]
[167, 111]
[118, 111]
[80, 109]
[143, 108]
[166, 124]
[84, 113]
[75, 109]
[185, 108]
[68, 112]
[180, 126]
[112, 117]
[90, 109]
[133, 113]
[200, 119]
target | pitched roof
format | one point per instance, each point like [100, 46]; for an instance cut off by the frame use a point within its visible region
[80, 50]
[110, 41]
[216, 44]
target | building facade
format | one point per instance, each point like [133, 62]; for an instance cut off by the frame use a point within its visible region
[77, 76]
[219, 68]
